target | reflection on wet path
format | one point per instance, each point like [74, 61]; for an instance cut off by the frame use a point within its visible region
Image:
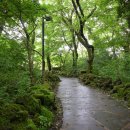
[85, 108]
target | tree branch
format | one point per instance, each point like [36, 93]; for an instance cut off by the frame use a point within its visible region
[81, 11]
[37, 52]
[92, 12]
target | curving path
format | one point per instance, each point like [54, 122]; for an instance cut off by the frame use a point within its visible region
[85, 108]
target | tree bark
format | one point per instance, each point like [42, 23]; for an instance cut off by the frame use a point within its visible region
[29, 49]
[90, 51]
[49, 62]
[1, 26]
[90, 60]
[74, 53]
[80, 33]
[30, 60]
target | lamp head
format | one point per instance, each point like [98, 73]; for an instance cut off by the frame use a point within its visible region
[48, 18]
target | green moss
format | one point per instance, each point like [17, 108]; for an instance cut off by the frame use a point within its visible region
[31, 104]
[14, 112]
[31, 125]
[4, 123]
[92, 84]
[127, 85]
[26, 125]
[46, 97]
[47, 100]
[118, 91]
[129, 103]
[91, 76]
[41, 97]
[13, 115]
[44, 119]
[19, 126]
[27, 112]
[121, 92]
[46, 87]
[40, 90]
[117, 88]
[115, 95]
[50, 77]
[127, 94]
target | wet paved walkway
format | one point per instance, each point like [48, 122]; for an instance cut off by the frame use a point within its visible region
[85, 108]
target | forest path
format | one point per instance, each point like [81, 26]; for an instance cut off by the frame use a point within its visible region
[85, 108]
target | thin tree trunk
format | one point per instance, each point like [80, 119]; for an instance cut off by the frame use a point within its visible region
[90, 60]
[74, 54]
[29, 49]
[30, 61]
[80, 33]
[49, 63]
[1, 26]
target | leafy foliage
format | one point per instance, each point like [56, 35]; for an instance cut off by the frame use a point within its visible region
[106, 27]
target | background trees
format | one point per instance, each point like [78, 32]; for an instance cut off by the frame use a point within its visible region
[83, 37]
[91, 36]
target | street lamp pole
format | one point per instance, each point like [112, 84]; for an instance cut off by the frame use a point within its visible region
[47, 18]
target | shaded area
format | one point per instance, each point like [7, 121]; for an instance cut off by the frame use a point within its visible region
[86, 108]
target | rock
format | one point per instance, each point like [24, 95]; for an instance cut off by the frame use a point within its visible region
[117, 82]
[83, 72]
[127, 94]
[127, 85]
[31, 125]
[91, 77]
[44, 119]
[14, 112]
[31, 104]
[107, 84]
[51, 77]
[46, 99]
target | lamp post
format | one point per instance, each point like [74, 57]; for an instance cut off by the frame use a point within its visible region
[46, 18]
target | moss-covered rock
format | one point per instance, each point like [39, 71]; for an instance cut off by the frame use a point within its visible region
[27, 111]
[129, 103]
[42, 89]
[96, 81]
[44, 119]
[119, 91]
[127, 94]
[116, 88]
[127, 85]
[107, 84]
[25, 125]
[46, 99]
[117, 82]
[51, 77]
[31, 104]
[14, 112]
[31, 125]
[19, 126]
[91, 77]
[4, 123]
[46, 96]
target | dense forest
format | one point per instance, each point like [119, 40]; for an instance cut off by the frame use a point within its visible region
[41, 39]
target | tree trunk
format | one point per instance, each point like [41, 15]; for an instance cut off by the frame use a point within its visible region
[90, 59]
[74, 54]
[30, 60]
[1, 26]
[49, 62]
[90, 51]
[80, 33]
